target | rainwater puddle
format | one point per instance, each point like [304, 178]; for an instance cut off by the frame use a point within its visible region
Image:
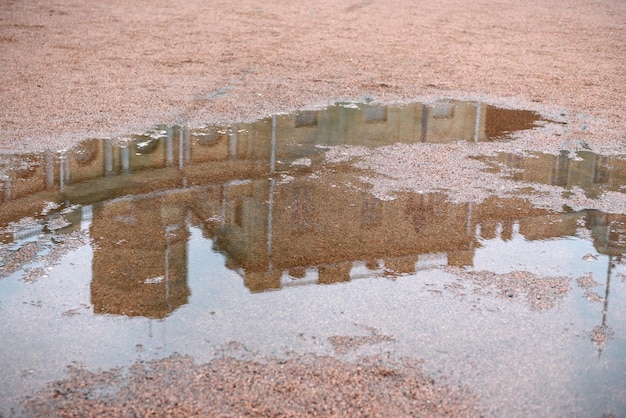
[593, 173]
[245, 240]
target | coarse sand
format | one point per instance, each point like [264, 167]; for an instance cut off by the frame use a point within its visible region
[302, 386]
[71, 70]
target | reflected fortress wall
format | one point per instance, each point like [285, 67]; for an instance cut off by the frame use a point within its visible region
[591, 172]
[238, 147]
[328, 228]
[223, 177]
[140, 256]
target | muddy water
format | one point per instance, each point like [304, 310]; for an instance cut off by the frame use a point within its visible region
[246, 239]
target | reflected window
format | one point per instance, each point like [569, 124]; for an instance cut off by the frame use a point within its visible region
[515, 162]
[145, 145]
[443, 111]
[617, 233]
[86, 152]
[421, 210]
[374, 114]
[306, 118]
[26, 168]
[206, 137]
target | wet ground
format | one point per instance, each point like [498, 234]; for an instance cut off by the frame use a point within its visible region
[340, 239]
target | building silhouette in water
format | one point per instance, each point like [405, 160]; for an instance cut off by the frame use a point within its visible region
[264, 194]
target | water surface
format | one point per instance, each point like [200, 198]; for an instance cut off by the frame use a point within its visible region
[186, 240]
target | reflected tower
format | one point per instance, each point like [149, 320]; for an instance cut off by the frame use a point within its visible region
[140, 257]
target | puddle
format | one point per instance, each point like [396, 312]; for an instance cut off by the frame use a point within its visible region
[191, 240]
[593, 173]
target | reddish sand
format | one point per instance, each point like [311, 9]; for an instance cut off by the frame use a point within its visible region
[71, 69]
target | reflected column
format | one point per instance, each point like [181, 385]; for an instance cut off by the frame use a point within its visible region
[64, 170]
[49, 170]
[425, 113]
[270, 210]
[169, 147]
[125, 157]
[232, 142]
[181, 146]
[479, 123]
[7, 187]
[108, 157]
[184, 151]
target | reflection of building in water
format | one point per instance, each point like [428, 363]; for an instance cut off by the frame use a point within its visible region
[301, 230]
[591, 172]
[246, 150]
[609, 236]
[309, 230]
[410, 232]
[609, 232]
[140, 256]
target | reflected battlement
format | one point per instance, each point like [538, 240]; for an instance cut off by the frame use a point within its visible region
[315, 231]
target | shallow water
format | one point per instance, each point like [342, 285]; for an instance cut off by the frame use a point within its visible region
[245, 239]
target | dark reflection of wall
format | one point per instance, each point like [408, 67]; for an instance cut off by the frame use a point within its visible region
[84, 162]
[400, 232]
[500, 122]
[140, 256]
[274, 229]
[609, 232]
[591, 172]
[27, 174]
[247, 150]
[26, 184]
[267, 227]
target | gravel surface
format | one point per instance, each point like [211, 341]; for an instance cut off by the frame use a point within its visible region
[71, 70]
[301, 386]
[539, 293]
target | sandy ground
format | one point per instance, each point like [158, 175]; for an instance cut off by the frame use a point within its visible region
[303, 386]
[71, 69]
